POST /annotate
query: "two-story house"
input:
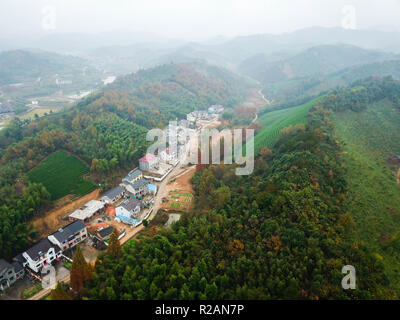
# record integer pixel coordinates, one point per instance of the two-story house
(168, 155)
(7, 275)
(139, 188)
(70, 235)
(148, 162)
(129, 208)
(113, 195)
(42, 253)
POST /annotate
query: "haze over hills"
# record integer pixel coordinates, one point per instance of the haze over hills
(23, 65)
(318, 60)
(282, 232)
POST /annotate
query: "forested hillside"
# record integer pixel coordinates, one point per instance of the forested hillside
(370, 135)
(22, 66)
(106, 130)
(282, 232)
(318, 60)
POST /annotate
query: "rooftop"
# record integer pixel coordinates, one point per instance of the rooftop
(139, 183)
(41, 248)
(105, 231)
(4, 265)
(87, 210)
(114, 192)
(131, 204)
(69, 230)
(148, 157)
(17, 266)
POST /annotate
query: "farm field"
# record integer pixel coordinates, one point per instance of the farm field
(62, 174)
(370, 138)
(273, 122)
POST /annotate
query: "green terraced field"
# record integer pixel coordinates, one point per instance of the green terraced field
(62, 174)
(274, 122)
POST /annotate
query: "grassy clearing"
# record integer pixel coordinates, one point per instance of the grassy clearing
(62, 174)
(274, 122)
(39, 111)
(370, 138)
(175, 205)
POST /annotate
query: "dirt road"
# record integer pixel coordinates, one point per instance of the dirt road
(55, 219)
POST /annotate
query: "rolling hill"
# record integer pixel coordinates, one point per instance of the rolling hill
(315, 61)
(370, 137)
(273, 122)
(23, 66)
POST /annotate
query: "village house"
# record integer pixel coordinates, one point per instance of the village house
(152, 188)
(7, 275)
(133, 176)
(215, 109)
(113, 195)
(129, 208)
(148, 162)
(138, 188)
(198, 115)
(167, 155)
(42, 253)
(105, 233)
(90, 209)
(184, 123)
(18, 269)
(191, 118)
(69, 236)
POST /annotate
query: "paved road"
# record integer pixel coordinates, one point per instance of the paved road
(46, 292)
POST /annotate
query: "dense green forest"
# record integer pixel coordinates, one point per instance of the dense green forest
(282, 232)
(106, 130)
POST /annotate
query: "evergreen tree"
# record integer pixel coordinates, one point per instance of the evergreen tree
(114, 247)
(81, 271)
(61, 292)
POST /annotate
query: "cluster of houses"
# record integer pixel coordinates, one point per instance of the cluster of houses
(203, 115)
(134, 187)
(43, 253)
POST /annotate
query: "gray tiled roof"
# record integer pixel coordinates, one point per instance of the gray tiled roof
(139, 183)
(106, 231)
(69, 230)
(111, 194)
(4, 265)
(133, 175)
(131, 204)
(17, 266)
(41, 247)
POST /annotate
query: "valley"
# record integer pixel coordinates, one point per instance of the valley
(79, 184)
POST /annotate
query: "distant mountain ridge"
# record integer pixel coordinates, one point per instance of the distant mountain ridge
(319, 60)
(23, 65)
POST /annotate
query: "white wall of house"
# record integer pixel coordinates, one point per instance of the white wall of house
(37, 265)
(79, 237)
(7, 278)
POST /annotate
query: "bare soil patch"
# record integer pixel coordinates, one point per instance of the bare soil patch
(179, 192)
(56, 218)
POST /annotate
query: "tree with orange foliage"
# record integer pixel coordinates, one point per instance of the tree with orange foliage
(81, 271)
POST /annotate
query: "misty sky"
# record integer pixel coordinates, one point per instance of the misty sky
(188, 19)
